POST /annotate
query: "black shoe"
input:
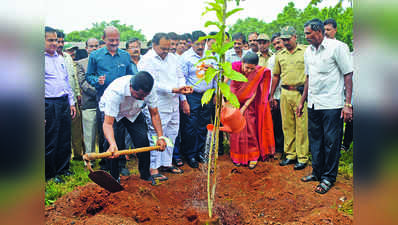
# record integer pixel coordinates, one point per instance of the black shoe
(124, 171)
(200, 158)
(193, 163)
(287, 162)
(300, 166)
(179, 162)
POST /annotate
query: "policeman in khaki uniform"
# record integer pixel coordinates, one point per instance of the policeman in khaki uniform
(289, 69)
(264, 52)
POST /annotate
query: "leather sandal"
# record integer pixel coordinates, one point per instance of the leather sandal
(171, 169)
(159, 177)
(323, 187)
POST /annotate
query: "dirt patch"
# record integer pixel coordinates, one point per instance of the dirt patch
(269, 194)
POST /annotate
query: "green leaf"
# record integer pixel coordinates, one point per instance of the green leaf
(210, 73)
(216, 6)
(208, 23)
(226, 47)
(208, 10)
(232, 12)
(219, 15)
(207, 37)
(232, 74)
(226, 91)
(227, 67)
(207, 96)
(204, 59)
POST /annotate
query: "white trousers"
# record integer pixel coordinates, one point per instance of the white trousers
(89, 129)
(170, 125)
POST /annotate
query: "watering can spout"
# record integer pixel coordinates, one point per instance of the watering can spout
(232, 120)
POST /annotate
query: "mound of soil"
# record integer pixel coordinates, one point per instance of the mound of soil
(268, 194)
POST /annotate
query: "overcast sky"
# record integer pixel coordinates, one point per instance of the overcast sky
(153, 16)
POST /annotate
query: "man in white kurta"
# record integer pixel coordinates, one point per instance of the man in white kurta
(169, 85)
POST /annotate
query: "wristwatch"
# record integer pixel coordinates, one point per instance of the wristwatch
(348, 105)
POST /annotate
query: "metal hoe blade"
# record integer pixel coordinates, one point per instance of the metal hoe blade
(105, 180)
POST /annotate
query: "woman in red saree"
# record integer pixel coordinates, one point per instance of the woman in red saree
(256, 141)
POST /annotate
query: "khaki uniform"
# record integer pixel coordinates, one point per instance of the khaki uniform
(290, 66)
(263, 59)
(77, 129)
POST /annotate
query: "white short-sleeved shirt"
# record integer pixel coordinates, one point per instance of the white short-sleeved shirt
(271, 64)
(326, 67)
(117, 101)
(167, 74)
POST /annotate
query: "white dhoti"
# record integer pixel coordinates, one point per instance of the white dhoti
(170, 125)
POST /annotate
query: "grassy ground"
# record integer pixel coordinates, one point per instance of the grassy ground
(79, 178)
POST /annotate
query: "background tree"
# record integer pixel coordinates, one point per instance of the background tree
(126, 32)
(291, 16)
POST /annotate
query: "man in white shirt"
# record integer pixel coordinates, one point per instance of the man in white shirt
(330, 32)
(237, 52)
(123, 101)
(329, 69)
(169, 85)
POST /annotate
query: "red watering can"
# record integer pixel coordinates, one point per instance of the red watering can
(232, 120)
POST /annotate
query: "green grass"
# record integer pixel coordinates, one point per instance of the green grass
(79, 178)
(346, 164)
(347, 207)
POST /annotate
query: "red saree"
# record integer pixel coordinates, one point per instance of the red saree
(256, 141)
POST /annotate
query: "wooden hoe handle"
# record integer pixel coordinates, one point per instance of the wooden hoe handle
(93, 156)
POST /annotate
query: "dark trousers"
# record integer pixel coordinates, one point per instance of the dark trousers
(138, 133)
(57, 136)
(101, 138)
(348, 134)
(194, 130)
(278, 132)
(325, 128)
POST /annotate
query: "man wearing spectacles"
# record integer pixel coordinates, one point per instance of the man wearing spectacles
(289, 70)
(169, 86)
(196, 116)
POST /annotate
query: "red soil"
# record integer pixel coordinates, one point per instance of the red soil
(269, 194)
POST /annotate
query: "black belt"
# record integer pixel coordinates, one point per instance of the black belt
(299, 88)
(64, 97)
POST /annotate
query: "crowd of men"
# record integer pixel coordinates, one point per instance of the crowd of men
(133, 97)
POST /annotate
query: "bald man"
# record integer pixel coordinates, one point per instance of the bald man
(104, 66)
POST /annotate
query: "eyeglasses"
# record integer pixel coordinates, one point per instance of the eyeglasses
(285, 39)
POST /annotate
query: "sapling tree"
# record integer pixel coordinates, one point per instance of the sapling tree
(220, 72)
